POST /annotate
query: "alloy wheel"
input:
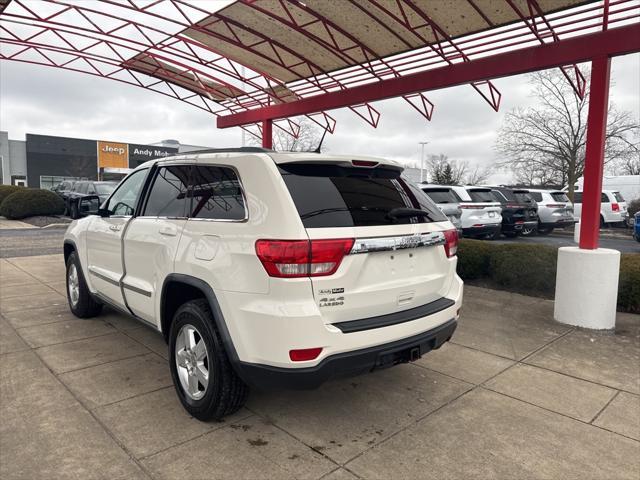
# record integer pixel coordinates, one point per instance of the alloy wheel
(192, 362)
(73, 284)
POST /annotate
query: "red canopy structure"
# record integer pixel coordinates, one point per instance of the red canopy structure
(264, 62)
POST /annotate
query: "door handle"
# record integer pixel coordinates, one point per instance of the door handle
(168, 230)
(115, 228)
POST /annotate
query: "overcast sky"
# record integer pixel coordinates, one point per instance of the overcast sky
(49, 101)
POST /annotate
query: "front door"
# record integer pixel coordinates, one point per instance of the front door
(152, 239)
(104, 238)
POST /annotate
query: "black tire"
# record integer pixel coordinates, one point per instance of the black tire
(603, 224)
(85, 306)
(529, 232)
(493, 236)
(74, 211)
(545, 231)
(510, 234)
(227, 393)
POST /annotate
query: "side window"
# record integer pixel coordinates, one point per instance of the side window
(168, 195)
(537, 196)
(91, 190)
(123, 200)
(217, 194)
(604, 198)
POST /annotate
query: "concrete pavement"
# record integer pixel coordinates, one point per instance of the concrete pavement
(514, 395)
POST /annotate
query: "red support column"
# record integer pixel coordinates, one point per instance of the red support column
(267, 133)
(594, 160)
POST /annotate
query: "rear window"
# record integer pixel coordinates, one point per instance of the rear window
(479, 196)
(337, 196)
(442, 195)
(559, 197)
(522, 196)
(537, 196)
(619, 197)
(577, 197)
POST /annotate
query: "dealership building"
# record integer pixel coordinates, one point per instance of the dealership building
(43, 161)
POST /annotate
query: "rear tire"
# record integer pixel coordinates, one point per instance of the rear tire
(603, 224)
(529, 232)
(81, 302)
(510, 234)
(206, 383)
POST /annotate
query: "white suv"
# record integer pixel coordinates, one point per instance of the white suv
(269, 269)
(613, 207)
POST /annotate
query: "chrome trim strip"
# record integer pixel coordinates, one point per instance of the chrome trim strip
(400, 242)
(136, 290)
(103, 277)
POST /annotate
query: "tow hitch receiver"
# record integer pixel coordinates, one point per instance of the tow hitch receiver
(388, 359)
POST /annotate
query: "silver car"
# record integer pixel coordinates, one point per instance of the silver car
(447, 201)
(555, 210)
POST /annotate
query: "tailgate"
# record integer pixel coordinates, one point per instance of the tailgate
(384, 274)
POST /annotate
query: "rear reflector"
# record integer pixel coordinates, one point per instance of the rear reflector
(615, 207)
(304, 354)
(451, 242)
(302, 258)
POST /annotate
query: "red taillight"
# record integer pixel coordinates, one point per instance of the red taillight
(451, 242)
(556, 205)
(471, 207)
(302, 258)
(305, 354)
(615, 207)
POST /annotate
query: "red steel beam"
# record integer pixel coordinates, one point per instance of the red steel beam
(594, 156)
(267, 133)
(608, 43)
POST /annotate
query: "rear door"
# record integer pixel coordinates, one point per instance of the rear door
(397, 261)
(152, 239)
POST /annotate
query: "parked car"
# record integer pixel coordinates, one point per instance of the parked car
(636, 226)
(613, 207)
(63, 189)
(269, 269)
(85, 188)
(448, 202)
(519, 210)
(555, 210)
(481, 213)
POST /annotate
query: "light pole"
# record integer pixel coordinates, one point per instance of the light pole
(422, 161)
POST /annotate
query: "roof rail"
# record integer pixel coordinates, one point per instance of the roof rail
(230, 150)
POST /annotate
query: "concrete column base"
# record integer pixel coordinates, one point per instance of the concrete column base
(587, 287)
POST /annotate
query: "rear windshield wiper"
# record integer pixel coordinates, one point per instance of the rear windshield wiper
(342, 209)
(408, 212)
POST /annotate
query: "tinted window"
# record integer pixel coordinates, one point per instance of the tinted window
(560, 197)
(217, 194)
(604, 198)
(537, 196)
(123, 200)
(442, 195)
(619, 197)
(337, 196)
(168, 194)
(80, 187)
(479, 196)
(522, 197)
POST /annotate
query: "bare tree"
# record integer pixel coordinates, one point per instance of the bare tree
(308, 138)
(444, 171)
(545, 145)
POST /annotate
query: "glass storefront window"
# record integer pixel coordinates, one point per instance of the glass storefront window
(49, 181)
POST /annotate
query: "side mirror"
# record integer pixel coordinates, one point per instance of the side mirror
(89, 205)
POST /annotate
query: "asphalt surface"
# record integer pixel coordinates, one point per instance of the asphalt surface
(30, 242)
(622, 244)
(36, 241)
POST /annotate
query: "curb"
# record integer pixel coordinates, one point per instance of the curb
(613, 236)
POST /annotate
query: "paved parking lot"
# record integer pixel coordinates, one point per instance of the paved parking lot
(515, 395)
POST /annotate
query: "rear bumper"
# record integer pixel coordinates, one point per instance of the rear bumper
(483, 230)
(559, 224)
(347, 363)
(517, 227)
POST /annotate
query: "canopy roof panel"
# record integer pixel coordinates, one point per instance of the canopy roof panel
(233, 57)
